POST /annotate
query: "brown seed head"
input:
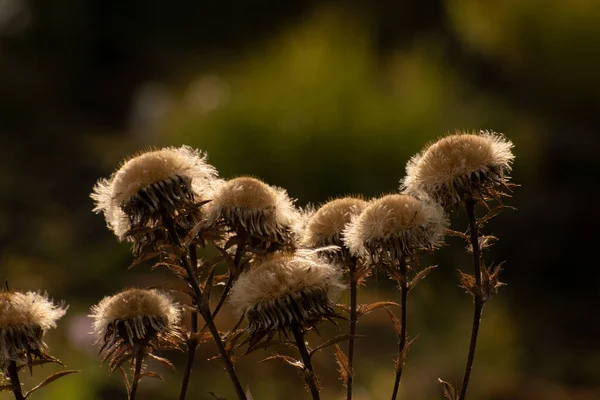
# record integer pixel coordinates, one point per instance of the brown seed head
(24, 318)
(395, 226)
(249, 206)
(457, 165)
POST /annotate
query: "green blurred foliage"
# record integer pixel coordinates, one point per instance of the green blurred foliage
(325, 101)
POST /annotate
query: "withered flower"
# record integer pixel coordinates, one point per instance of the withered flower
(134, 322)
(463, 164)
(154, 188)
(24, 319)
(250, 208)
(396, 226)
(286, 292)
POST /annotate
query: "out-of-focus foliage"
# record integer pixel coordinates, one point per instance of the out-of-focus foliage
(324, 100)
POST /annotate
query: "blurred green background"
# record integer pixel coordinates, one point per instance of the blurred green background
(324, 98)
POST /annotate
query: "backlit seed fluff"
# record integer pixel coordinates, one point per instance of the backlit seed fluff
(153, 183)
(248, 205)
(135, 316)
(395, 226)
(24, 319)
(286, 290)
(459, 165)
(325, 226)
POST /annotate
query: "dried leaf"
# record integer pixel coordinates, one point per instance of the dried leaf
(286, 359)
(51, 379)
(331, 342)
(468, 283)
(343, 307)
(151, 374)
(264, 345)
(125, 379)
(395, 321)
(420, 276)
(342, 361)
(216, 396)
(492, 213)
(144, 257)
(363, 309)
(162, 360)
(47, 359)
(402, 356)
(450, 389)
(461, 235)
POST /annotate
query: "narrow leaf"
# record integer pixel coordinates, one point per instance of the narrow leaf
(395, 321)
(420, 276)
(331, 342)
(151, 374)
(342, 361)
(363, 309)
(51, 379)
(450, 389)
(162, 360)
(125, 379)
(288, 360)
(461, 235)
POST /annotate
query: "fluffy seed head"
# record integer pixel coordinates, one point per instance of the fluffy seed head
(461, 164)
(326, 225)
(395, 226)
(249, 206)
(286, 290)
(24, 318)
(135, 316)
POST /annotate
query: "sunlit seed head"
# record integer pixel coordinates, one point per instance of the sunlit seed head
(24, 318)
(325, 226)
(286, 290)
(396, 226)
(248, 205)
(152, 183)
(458, 165)
(136, 315)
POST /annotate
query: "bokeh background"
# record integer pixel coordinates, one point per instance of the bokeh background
(323, 98)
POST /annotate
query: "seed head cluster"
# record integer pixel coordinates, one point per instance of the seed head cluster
(459, 165)
(24, 319)
(170, 183)
(135, 316)
(395, 226)
(284, 291)
(250, 207)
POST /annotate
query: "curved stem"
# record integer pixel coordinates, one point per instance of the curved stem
(353, 319)
(139, 358)
(13, 375)
(402, 338)
(192, 344)
(309, 373)
(474, 239)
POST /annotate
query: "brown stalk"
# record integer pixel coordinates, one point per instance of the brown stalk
(192, 344)
(139, 358)
(402, 338)
(309, 373)
(353, 318)
(13, 374)
(474, 239)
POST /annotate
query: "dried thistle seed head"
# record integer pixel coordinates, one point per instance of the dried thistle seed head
(325, 226)
(24, 318)
(149, 317)
(396, 226)
(286, 290)
(151, 185)
(250, 207)
(459, 165)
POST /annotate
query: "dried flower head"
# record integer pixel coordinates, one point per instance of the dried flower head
(284, 291)
(24, 318)
(250, 207)
(459, 165)
(167, 183)
(396, 226)
(326, 225)
(146, 318)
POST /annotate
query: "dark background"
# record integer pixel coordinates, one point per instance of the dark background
(325, 99)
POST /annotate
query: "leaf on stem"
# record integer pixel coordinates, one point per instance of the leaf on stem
(342, 361)
(492, 213)
(364, 309)
(331, 342)
(125, 379)
(286, 359)
(47, 359)
(450, 389)
(162, 360)
(420, 276)
(395, 321)
(151, 374)
(51, 379)
(461, 235)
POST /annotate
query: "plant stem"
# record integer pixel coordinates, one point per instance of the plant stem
(353, 318)
(474, 239)
(13, 374)
(237, 260)
(192, 344)
(309, 373)
(139, 358)
(402, 338)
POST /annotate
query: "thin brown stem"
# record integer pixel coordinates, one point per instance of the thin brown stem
(353, 319)
(192, 344)
(139, 358)
(237, 260)
(13, 375)
(474, 239)
(309, 373)
(402, 338)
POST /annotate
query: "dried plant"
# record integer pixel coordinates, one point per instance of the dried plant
(466, 168)
(324, 229)
(288, 294)
(131, 325)
(24, 319)
(391, 231)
